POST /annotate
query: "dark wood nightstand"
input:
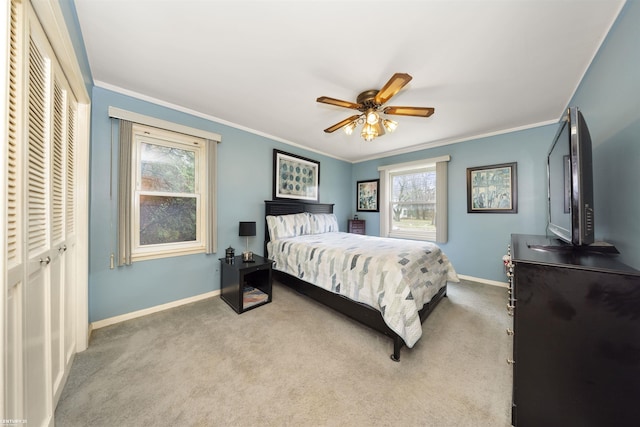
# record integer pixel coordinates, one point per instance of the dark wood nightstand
(357, 226)
(246, 285)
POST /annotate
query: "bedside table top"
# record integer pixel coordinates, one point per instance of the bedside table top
(239, 264)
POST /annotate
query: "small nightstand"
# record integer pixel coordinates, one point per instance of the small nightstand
(246, 285)
(357, 226)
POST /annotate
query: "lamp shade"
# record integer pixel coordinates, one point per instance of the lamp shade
(247, 228)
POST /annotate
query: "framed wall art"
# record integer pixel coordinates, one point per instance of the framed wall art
(492, 189)
(295, 177)
(368, 196)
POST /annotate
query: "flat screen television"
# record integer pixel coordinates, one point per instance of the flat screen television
(570, 180)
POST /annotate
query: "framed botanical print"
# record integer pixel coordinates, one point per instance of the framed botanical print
(368, 196)
(295, 177)
(492, 189)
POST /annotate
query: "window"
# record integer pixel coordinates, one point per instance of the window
(166, 188)
(169, 193)
(413, 200)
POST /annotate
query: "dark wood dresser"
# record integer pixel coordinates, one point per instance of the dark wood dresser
(576, 355)
(357, 226)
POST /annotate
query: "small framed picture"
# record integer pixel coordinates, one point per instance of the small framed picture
(368, 196)
(492, 189)
(295, 177)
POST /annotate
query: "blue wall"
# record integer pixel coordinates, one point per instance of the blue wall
(244, 183)
(609, 97)
(68, 10)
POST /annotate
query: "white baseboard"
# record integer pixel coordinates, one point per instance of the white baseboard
(135, 314)
(128, 316)
(485, 281)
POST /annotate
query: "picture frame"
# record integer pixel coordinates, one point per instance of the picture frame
(492, 189)
(295, 177)
(368, 196)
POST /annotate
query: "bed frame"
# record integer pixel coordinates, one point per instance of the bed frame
(363, 313)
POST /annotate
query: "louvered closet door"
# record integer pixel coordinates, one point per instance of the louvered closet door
(13, 361)
(57, 192)
(68, 249)
(63, 253)
(38, 398)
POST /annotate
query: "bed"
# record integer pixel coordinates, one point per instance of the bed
(393, 294)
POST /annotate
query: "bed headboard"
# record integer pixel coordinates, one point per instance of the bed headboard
(286, 207)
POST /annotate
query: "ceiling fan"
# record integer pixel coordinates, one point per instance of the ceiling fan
(370, 104)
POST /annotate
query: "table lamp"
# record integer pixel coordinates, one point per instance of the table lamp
(247, 228)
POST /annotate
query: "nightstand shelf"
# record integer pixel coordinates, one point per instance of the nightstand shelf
(246, 285)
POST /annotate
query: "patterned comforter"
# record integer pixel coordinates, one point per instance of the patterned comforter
(395, 276)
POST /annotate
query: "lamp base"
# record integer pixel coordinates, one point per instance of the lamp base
(247, 256)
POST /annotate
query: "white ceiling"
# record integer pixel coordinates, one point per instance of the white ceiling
(487, 67)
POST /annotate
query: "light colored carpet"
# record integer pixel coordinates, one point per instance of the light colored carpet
(294, 362)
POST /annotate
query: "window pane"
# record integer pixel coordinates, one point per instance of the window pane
(413, 207)
(167, 169)
(167, 219)
(414, 217)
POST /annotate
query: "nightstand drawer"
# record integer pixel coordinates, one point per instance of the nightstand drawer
(256, 268)
(357, 226)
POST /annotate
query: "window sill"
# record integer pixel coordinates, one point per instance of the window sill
(168, 254)
(430, 237)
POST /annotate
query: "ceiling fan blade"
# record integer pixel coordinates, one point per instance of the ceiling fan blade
(410, 111)
(342, 123)
(395, 83)
(338, 102)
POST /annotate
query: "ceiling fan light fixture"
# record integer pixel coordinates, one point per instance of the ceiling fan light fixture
(372, 117)
(389, 125)
(348, 129)
(369, 132)
(370, 105)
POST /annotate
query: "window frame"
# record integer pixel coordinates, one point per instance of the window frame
(386, 203)
(145, 134)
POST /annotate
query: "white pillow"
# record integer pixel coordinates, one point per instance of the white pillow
(283, 226)
(323, 223)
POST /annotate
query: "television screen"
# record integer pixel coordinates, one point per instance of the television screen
(559, 164)
(570, 175)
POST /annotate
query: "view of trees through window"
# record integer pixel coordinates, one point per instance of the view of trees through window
(168, 203)
(414, 201)
(167, 219)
